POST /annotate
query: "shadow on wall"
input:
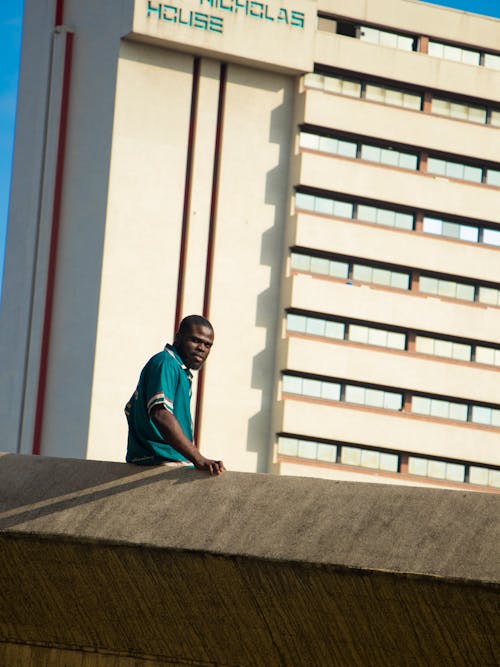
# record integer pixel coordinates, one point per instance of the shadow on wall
(269, 301)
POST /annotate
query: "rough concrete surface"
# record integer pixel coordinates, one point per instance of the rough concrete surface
(110, 564)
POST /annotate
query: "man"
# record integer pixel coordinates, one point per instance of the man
(158, 414)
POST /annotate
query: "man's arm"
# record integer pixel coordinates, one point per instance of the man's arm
(173, 434)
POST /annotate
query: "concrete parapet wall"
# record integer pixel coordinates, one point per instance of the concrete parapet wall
(106, 564)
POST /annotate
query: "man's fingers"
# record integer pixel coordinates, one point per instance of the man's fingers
(216, 467)
(213, 467)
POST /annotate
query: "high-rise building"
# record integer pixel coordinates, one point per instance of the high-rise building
(321, 179)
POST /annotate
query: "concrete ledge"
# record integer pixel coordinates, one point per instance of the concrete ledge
(171, 566)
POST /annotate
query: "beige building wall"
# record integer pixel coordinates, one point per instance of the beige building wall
(183, 177)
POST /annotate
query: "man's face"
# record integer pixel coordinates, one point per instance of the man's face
(194, 345)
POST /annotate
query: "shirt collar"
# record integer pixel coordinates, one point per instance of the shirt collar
(173, 353)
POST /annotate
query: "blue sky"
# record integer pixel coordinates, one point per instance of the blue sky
(10, 39)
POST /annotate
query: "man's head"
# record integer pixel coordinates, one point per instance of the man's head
(193, 340)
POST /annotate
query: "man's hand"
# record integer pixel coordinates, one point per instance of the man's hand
(172, 433)
(209, 465)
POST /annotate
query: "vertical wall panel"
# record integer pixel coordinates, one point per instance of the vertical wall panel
(247, 267)
(142, 241)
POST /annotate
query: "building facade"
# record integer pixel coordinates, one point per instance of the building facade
(320, 179)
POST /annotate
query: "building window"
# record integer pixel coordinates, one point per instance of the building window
(454, 472)
(487, 355)
(324, 205)
(378, 276)
(459, 54)
(320, 265)
(389, 157)
(452, 230)
(452, 169)
(393, 340)
(369, 458)
(443, 348)
(367, 334)
(385, 276)
(495, 118)
(294, 384)
(443, 409)
(329, 145)
(392, 157)
(387, 217)
(336, 391)
(353, 149)
(388, 399)
(449, 52)
(491, 60)
(489, 296)
(454, 108)
(493, 177)
(333, 84)
(374, 398)
(459, 231)
(342, 209)
(308, 449)
(387, 38)
(364, 456)
(315, 326)
(485, 415)
(446, 288)
(336, 268)
(393, 96)
(468, 112)
(484, 476)
(365, 33)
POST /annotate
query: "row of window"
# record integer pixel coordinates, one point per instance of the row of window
(395, 340)
(392, 218)
(350, 270)
(459, 54)
(399, 97)
(386, 399)
(365, 272)
(359, 150)
(405, 42)
(379, 459)
(398, 158)
(462, 232)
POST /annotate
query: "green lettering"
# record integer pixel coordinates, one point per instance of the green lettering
(297, 19)
(282, 16)
(240, 5)
(259, 5)
(216, 24)
(266, 15)
(200, 21)
(165, 17)
(151, 9)
(179, 20)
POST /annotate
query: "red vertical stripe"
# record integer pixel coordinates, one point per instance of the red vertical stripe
(59, 17)
(187, 193)
(54, 239)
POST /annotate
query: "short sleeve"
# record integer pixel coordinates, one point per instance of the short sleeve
(162, 378)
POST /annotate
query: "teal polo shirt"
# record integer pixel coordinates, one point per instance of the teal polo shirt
(166, 381)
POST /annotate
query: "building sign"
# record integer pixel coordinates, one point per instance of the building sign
(276, 33)
(172, 13)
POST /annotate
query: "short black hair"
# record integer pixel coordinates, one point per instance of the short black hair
(191, 320)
